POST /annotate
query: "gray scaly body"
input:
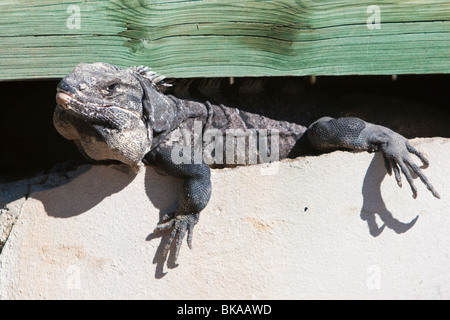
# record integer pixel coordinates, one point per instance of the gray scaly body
(124, 115)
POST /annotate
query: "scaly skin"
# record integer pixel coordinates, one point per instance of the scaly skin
(123, 114)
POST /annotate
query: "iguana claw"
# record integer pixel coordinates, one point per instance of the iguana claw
(180, 223)
(396, 153)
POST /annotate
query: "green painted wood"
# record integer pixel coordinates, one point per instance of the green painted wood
(225, 37)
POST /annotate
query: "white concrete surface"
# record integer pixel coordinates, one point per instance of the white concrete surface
(328, 227)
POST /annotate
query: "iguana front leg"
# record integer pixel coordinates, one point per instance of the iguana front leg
(356, 134)
(194, 197)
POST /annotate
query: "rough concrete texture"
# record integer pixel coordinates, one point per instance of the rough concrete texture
(12, 197)
(332, 226)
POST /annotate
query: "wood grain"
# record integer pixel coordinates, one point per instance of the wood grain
(225, 37)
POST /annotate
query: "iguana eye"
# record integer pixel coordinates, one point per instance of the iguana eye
(111, 88)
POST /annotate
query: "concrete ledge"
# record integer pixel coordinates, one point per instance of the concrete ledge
(332, 226)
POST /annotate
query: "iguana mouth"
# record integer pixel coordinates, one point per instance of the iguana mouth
(68, 102)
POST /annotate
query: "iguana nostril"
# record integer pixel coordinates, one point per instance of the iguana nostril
(65, 86)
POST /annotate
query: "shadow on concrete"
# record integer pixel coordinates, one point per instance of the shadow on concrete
(373, 204)
(156, 183)
(94, 183)
(91, 186)
(76, 192)
(58, 176)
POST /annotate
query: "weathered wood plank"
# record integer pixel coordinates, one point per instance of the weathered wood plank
(45, 39)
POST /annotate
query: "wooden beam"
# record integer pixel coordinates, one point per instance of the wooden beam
(46, 39)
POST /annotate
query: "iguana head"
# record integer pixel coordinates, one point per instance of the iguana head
(109, 111)
(103, 93)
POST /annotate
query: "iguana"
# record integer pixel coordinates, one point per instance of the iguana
(124, 114)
